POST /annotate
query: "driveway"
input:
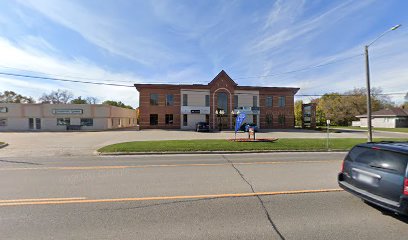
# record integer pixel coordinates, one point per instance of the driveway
(85, 143)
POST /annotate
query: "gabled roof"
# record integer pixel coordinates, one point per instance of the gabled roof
(388, 112)
(223, 75)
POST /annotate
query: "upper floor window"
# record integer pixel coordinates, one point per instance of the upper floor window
(269, 101)
(235, 101)
(169, 99)
(185, 100)
(222, 101)
(282, 101)
(207, 100)
(254, 101)
(154, 99)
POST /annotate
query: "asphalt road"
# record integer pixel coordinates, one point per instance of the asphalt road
(246, 196)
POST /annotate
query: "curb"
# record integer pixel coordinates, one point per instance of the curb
(209, 152)
(3, 145)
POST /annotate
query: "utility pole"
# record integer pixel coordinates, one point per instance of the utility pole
(370, 133)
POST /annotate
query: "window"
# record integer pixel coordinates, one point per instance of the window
(169, 119)
(281, 120)
(387, 160)
(154, 99)
(255, 119)
(185, 122)
(207, 100)
(63, 121)
(3, 109)
(254, 101)
(38, 123)
(235, 101)
(281, 101)
(169, 99)
(3, 122)
(207, 118)
(222, 101)
(86, 121)
(31, 123)
(154, 119)
(269, 101)
(185, 100)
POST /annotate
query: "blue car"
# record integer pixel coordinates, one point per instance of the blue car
(248, 125)
(377, 173)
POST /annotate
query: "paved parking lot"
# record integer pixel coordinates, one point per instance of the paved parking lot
(85, 143)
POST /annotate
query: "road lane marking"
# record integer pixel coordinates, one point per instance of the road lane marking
(40, 199)
(165, 165)
(140, 199)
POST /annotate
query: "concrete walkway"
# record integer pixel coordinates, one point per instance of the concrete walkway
(85, 143)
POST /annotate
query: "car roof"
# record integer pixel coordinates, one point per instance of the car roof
(388, 145)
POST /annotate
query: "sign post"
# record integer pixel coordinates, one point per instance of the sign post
(328, 133)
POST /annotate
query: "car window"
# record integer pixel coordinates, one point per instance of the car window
(379, 159)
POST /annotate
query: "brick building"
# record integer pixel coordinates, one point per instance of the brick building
(167, 106)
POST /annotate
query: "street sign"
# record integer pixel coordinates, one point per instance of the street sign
(328, 121)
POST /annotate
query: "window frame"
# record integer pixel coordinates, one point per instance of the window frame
(171, 102)
(82, 120)
(282, 101)
(3, 122)
(169, 119)
(66, 121)
(154, 102)
(269, 101)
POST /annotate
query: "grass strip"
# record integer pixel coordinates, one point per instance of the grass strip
(398, 130)
(297, 144)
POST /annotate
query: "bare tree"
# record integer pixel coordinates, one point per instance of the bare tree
(57, 97)
(92, 100)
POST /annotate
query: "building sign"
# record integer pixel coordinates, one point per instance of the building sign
(195, 111)
(67, 111)
(3, 109)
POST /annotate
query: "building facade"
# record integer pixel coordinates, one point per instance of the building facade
(166, 106)
(385, 118)
(63, 117)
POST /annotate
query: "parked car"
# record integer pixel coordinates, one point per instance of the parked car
(245, 127)
(377, 173)
(202, 127)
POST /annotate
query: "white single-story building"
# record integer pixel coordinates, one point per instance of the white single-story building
(386, 118)
(63, 117)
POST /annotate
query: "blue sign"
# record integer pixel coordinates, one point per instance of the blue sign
(238, 121)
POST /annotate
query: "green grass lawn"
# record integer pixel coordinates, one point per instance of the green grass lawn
(403, 130)
(225, 145)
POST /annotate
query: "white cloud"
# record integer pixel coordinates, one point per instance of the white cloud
(110, 34)
(31, 58)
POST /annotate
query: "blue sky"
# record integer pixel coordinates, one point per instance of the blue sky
(127, 41)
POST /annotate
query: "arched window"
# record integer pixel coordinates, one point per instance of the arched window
(222, 102)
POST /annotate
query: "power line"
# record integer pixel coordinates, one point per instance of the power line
(303, 69)
(64, 80)
(350, 95)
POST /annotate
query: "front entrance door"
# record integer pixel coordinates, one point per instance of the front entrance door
(34, 123)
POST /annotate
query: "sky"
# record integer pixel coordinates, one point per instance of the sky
(316, 45)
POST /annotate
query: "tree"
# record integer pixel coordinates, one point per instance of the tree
(57, 97)
(342, 109)
(91, 100)
(405, 105)
(298, 112)
(117, 104)
(79, 100)
(12, 97)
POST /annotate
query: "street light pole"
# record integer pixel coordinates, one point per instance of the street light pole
(370, 133)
